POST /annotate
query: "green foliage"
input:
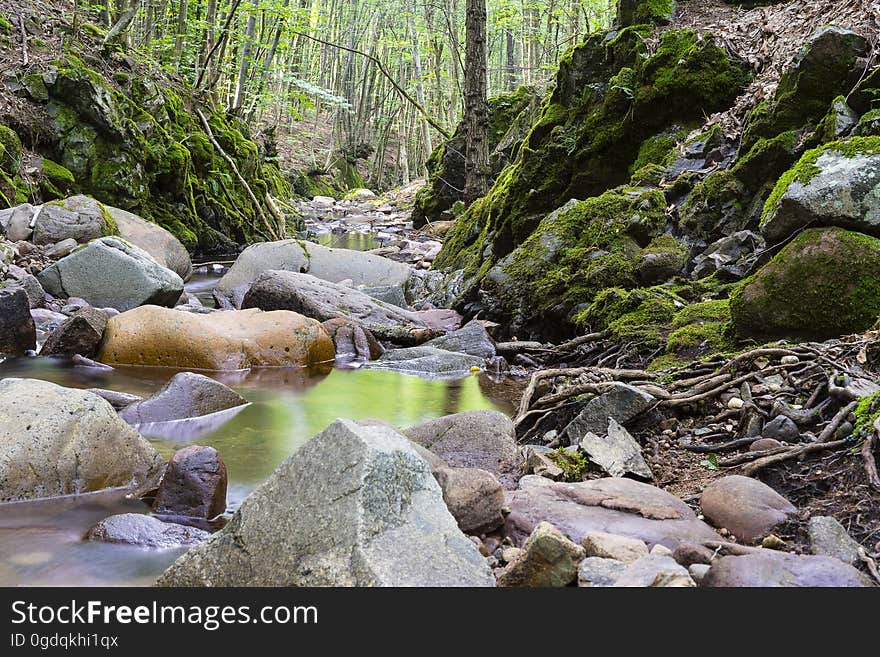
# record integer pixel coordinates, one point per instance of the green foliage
(572, 463)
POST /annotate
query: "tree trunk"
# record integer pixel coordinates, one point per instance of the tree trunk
(420, 87)
(476, 113)
(245, 62)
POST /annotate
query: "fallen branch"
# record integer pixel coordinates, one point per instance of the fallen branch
(868, 458)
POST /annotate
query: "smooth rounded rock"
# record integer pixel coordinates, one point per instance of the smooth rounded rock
(231, 340)
(746, 507)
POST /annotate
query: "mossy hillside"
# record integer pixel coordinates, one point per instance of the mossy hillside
(509, 119)
(145, 151)
(591, 130)
(823, 284)
(825, 69)
(575, 253)
(806, 169)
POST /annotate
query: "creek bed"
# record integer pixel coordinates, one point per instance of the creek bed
(40, 542)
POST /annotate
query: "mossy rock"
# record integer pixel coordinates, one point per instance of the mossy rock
(577, 251)
(10, 157)
(664, 258)
(637, 319)
(869, 125)
(824, 284)
(835, 185)
(638, 12)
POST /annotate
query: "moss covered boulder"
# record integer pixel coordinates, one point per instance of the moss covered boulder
(836, 185)
(576, 251)
(232, 340)
(824, 284)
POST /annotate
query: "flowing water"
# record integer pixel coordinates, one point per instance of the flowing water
(40, 542)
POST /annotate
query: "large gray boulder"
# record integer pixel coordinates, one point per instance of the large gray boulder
(61, 441)
(187, 394)
(323, 300)
(838, 185)
(428, 361)
(110, 272)
(155, 240)
(333, 265)
(829, 538)
(612, 505)
(355, 506)
(79, 217)
(768, 568)
(473, 439)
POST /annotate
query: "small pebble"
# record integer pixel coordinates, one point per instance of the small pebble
(773, 542)
(790, 360)
(735, 403)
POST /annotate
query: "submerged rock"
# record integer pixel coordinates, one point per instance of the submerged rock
(187, 394)
(110, 272)
(145, 531)
(333, 265)
(323, 300)
(354, 506)
(427, 360)
(747, 508)
(231, 340)
(18, 332)
(61, 441)
(472, 338)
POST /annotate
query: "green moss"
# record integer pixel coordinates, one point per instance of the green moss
(706, 337)
(572, 463)
(655, 150)
(823, 284)
(122, 77)
(638, 319)
(11, 154)
(56, 173)
(5, 25)
(804, 93)
(869, 124)
(705, 311)
(867, 412)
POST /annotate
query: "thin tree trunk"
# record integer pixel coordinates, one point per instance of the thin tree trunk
(245, 61)
(420, 88)
(476, 114)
